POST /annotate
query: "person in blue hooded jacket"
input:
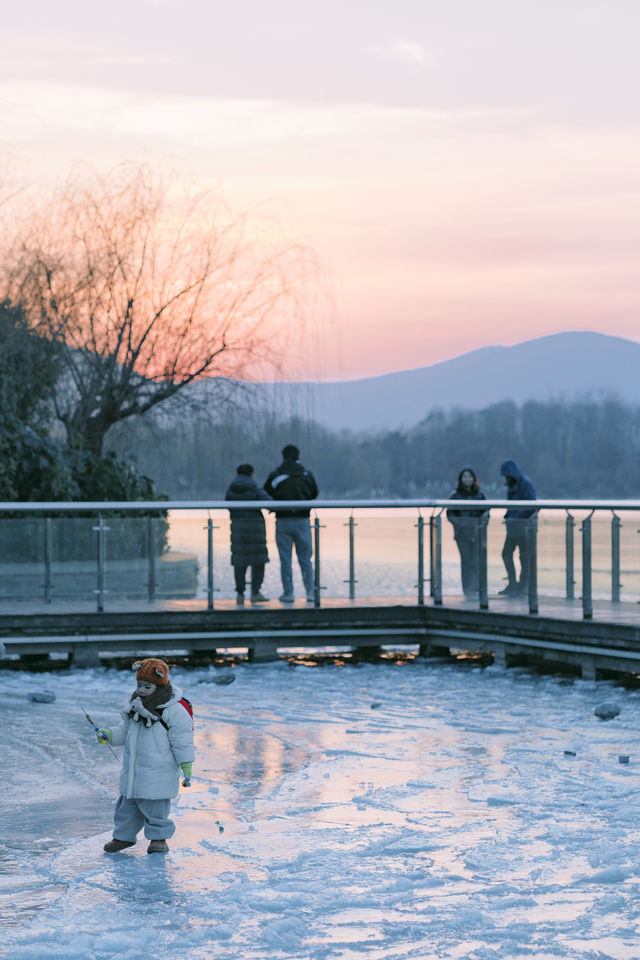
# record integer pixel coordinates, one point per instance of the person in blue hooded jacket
(520, 487)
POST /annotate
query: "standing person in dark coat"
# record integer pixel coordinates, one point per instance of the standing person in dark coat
(292, 481)
(465, 529)
(248, 535)
(520, 487)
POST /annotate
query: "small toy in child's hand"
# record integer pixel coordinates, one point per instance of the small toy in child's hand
(104, 736)
(186, 782)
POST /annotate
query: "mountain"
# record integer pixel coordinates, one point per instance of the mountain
(559, 366)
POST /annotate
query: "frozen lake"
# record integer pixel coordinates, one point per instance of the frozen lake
(370, 812)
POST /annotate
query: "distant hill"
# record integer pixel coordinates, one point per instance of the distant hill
(560, 366)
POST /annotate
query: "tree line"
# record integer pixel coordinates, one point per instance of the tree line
(581, 448)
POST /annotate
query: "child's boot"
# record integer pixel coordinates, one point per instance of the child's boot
(158, 846)
(114, 846)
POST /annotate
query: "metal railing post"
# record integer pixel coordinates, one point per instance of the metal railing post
(569, 574)
(483, 584)
(435, 525)
(615, 558)
(352, 561)
(151, 554)
(432, 556)
(587, 600)
(210, 563)
(100, 591)
(532, 549)
(47, 559)
(316, 562)
(420, 561)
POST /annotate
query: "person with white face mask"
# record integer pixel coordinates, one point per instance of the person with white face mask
(465, 529)
(157, 733)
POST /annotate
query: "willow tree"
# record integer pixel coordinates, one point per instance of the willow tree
(145, 289)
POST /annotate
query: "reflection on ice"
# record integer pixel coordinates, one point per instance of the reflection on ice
(448, 821)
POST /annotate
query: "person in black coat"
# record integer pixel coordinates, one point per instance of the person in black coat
(465, 529)
(248, 535)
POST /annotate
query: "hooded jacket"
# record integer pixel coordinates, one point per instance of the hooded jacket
(248, 531)
(523, 489)
(291, 481)
(150, 769)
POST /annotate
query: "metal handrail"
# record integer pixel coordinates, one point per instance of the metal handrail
(69, 506)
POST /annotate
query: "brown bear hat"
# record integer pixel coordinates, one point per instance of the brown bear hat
(152, 671)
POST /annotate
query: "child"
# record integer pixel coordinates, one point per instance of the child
(157, 733)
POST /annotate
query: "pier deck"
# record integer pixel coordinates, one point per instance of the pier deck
(610, 642)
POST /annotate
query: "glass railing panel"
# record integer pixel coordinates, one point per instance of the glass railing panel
(224, 581)
(332, 536)
(496, 575)
(386, 554)
(74, 560)
(630, 557)
(601, 555)
(188, 542)
(579, 516)
(22, 551)
(126, 561)
(139, 563)
(552, 554)
(187, 537)
(451, 561)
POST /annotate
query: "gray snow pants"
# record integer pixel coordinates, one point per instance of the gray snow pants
(132, 814)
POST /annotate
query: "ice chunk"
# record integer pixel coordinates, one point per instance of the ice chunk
(607, 711)
(42, 696)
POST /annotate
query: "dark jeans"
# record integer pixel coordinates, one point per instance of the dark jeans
(468, 548)
(257, 576)
(519, 540)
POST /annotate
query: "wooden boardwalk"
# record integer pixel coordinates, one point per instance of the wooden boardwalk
(610, 642)
(627, 612)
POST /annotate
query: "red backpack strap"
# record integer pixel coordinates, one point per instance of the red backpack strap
(187, 705)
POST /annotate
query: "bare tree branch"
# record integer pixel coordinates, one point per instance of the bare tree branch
(145, 293)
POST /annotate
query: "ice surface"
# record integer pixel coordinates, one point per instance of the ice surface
(447, 822)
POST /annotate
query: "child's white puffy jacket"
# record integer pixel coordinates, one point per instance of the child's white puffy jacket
(152, 754)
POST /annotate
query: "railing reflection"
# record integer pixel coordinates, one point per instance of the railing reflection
(34, 533)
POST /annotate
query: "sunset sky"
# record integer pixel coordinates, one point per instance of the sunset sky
(468, 170)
